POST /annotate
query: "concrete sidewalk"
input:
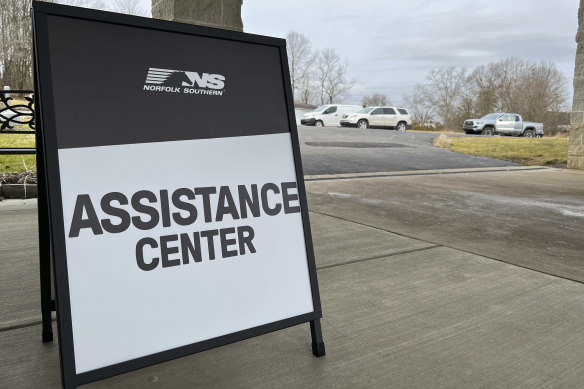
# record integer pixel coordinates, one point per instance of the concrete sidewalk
(525, 216)
(400, 309)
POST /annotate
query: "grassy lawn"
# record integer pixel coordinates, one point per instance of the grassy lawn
(16, 163)
(16, 100)
(525, 151)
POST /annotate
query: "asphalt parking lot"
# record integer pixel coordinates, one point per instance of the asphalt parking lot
(331, 150)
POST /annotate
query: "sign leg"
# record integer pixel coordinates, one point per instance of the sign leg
(317, 342)
(44, 256)
(43, 224)
(44, 252)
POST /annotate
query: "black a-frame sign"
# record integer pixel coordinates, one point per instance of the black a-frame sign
(172, 195)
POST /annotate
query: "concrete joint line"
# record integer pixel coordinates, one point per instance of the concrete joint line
(23, 324)
(442, 245)
(378, 257)
(376, 228)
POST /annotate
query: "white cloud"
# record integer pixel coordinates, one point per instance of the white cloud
(392, 45)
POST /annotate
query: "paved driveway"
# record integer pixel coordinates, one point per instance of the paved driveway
(347, 150)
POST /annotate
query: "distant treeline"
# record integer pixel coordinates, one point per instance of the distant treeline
(536, 90)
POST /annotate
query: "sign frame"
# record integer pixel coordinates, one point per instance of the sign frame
(52, 227)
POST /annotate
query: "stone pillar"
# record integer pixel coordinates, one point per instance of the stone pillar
(576, 148)
(212, 13)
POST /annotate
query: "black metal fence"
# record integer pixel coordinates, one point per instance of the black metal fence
(17, 117)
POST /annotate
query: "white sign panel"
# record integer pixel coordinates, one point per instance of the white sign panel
(208, 257)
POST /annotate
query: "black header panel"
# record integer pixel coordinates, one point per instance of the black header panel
(123, 84)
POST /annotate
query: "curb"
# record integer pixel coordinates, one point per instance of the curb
(18, 191)
(403, 173)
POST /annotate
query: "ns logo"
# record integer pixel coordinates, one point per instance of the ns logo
(178, 78)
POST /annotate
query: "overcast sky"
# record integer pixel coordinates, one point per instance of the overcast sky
(391, 45)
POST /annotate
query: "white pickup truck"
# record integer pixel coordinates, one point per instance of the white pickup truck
(504, 124)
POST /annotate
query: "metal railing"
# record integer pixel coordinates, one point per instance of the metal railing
(17, 117)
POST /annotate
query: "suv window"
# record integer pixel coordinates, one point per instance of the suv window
(377, 111)
(402, 111)
(330, 110)
(517, 118)
(388, 111)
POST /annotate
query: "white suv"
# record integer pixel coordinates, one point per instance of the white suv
(393, 118)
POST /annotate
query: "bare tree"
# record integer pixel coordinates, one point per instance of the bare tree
(301, 60)
(131, 7)
(96, 4)
(16, 40)
(15, 44)
(306, 93)
(466, 105)
(315, 77)
(483, 83)
(331, 75)
(509, 73)
(444, 92)
(375, 99)
(419, 105)
(542, 90)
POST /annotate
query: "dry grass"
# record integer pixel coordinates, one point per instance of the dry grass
(525, 151)
(561, 135)
(16, 100)
(442, 141)
(438, 131)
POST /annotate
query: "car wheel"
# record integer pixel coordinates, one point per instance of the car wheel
(362, 124)
(401, 126)
(319, 123)
(487, 131)
(528, 134)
